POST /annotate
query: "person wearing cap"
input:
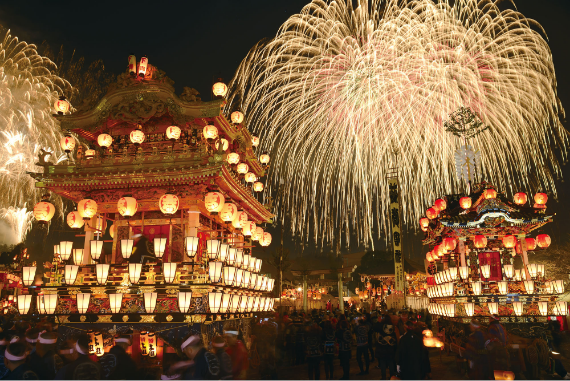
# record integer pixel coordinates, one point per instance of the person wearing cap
(15, 357)
(82, 368)
(44, 361)
(117, 364)
(218, 346)
(238, 354)
(206, 364)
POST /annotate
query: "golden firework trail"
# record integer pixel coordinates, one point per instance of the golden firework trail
(342, 94)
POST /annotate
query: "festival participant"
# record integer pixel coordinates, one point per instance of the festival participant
(314, 354)
(15, 357)
(206, 364)
(368, 321)
(4, 341)
(31, 337)
(475, 352)
(361, 332)
(67, 352)
(238, 354)
(386, 343)
(82, 368)
(329, 341)
(218, 346)
(344, 340)
(117, 364)
(409, 356)
(44, 361)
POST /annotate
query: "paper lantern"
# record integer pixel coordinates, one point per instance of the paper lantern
(132, 64)
(142, 66)
(431, 213)
(476, 286)
(558, 286)
(225, 144)
(241, 218)
(96, 249)
(480, 241)
(561, 308)
(520, 198)
(150, 301)
(83, 302)
(246, 280)
(87, 208)
(44, 211)
(184, 301)
(490, 194)
(219, 89)
(248, 228)
(127, 206)
(239, 258)
(210, 132)
(89, 154)
(104, 140)
(429, 257)
(509, 241)
(169, 271)
(24, 302)
(229, 212)
(449, 243)
(134, 272)
(258, 262)
(78, 256)
(242, 168)
(540, 198)
(231, 258)
(143, 337)
(223, 253)
(102, 271)
(168, 203)
(518, 308)
(530, 243)
(173, 132)
(258, 234)
(50, 303)
(215, 271)
(264, 159)
(127, 248)
(115, 301)
(529, 286)
(112, 230)
(214, 301)
(28, 275)
(234, 304)
(543, 308)
(424, 223)
(233, 158)
(225, 305)
(213, 249)
(493, 308)
(440, 204)
(61, 105)
(229, 275)
(254, 141)
(65, 249)
(543, 240)
(214, 202)
(237, 117)
(503, 287)
(266, 240)
(465, 202)
(74, 220)
(469, 308)
(159, 246)
(250, 177)
(464, 272)
(191, 244)
(509, 271)
(137, 137)
(67, 143)
(70, 274)
(486, 271)
(258, 186)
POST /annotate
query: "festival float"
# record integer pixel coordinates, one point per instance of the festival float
(179, 186)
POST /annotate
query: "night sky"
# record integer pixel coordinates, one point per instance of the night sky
(195, 41)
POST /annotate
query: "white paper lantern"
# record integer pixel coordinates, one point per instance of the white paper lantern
(237, 117)
(242, 168)
(229, 212)
(150, 301)
(168, 203)
(173, 132)
(250, 177)
(184, 301)
(127, 206)
(74, 220)
(83, 302)
(44, 211)
(214, 202)
(115, 300)
(137, 137)
(266, 239)
(87, 208)
(210, 132)
(240, 219)
(233, 158)
(104, 140)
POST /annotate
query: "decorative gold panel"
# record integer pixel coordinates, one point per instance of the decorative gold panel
(147, 319)
(104, 318)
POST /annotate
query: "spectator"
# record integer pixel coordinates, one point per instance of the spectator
(82, 367)
(117, 364)
(314, 354)
(386, 344)
(344, 340)
(218, 346)
(237, 353)
(361, 332)
(329, 346)
(206, 364)
(44, 361)
(409, 354)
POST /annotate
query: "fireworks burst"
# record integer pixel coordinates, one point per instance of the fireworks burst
(342, 95)
(28, 90)
(20, 221)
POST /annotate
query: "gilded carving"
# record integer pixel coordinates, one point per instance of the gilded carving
(169, 318)
(62, 319)
(104, 319)
(125, 318)
(82, 318)
(147, 319)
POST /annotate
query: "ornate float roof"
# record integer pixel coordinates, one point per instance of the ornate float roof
(492, 217)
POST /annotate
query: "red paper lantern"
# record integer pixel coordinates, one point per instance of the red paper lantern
(540, 198)
(449, 243)
(431, 213)
(543, 240)
(480, 241)
(440, 204)
(520, 198)
(490, 194)
(429, 257)
(44, 211)
(439, 250)
(509, 241)
(424, 223)
(465, 202)
(530, 243)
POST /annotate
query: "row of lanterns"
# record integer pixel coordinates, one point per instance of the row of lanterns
(448, 289)
(222, 303)
(453, 274)
(236, 277)
(560, 308)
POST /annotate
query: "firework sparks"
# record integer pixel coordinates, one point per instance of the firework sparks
(20, 221)
(342, 95)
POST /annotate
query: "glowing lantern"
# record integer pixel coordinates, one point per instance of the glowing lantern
(151, 342)
(67, 143)
(168, 203)
(509, 271)
(65, 249)
(214, 202)
(83, 302)
(173, 132)
(503, 287)
(229, 212)
(493, 308)
(87, 208)
(509, 241)
(431, 213)
(28, 275)
(543, 240)
(74, 220)
(561, 308)
(529, 286)
(490, 194)
(150, 301)
(191, 244)
(159, 246)
(61, 105)
(137, 136)
(476, 286)
(254, 141)
(480, 241)
(250, 177)
(115, 301)
(104, 140)
(219, 89)
(543, 308)
(50, 303)
(258, 234)
(429, 257)
(210, 132)
(143, 342)
(439, 250)
(169, 271)
(233, 158)
(520, 198)
(127, 206)
(440, 204)
(240, 219)
(44, 211)
(184, 301)
(213, 249)
(89, 154)
(258, 186)
(127, 248)
(540, 198)
(214, 301)
(518, 308)
(424, 223)
(24, 302)
(469, 308)
(264, 159)
(102, 270)
(266, 240)
(225, 144)
(229, 275)
(465, 202)
(530, 243)
(486, 271)
(242, 168)
(142, 66)
(132, 65)
(134, 272)
(237, 117)
(248, 228)
(449, 243)
(78, 256)
(112, 231)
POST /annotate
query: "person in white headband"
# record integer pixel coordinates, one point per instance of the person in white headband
(124, 367)
(15, 357)
(237, 352)
(82, 365)
(46, 354)
(206, 364)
